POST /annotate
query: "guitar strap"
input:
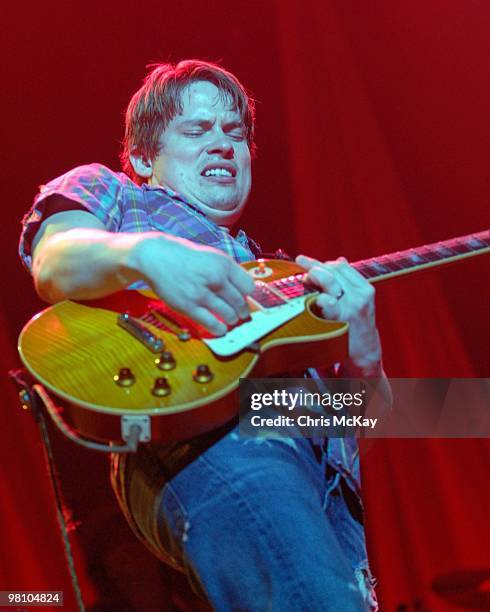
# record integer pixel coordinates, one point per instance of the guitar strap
(30, 399)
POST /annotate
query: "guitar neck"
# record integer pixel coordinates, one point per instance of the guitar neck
(396, 264)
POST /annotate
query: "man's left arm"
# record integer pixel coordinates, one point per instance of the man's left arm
(347, 296)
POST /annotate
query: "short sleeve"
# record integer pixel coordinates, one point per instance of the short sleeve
(94, 186)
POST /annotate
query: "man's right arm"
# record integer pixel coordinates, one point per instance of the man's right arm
(75, 257)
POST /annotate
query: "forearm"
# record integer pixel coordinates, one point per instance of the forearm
(86, 263)
(365, 354)
(369, 366)
(380, 394)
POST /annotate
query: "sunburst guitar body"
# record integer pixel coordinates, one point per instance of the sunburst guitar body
(129, 355)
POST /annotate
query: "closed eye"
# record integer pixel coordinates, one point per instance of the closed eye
(235, 130)
(237, 134)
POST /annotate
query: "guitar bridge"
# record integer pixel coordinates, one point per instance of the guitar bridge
(140, 332)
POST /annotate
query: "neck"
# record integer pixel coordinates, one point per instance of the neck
(413, 260)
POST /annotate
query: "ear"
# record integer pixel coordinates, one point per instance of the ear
(141, 165)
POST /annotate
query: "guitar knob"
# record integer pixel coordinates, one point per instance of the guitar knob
(203, 374)
(165, 361)
(125, 378)
(184, 335)
(161, 388)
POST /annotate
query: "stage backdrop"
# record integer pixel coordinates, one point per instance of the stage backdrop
(373, 136)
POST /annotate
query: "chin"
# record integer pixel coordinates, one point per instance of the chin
(223, 216)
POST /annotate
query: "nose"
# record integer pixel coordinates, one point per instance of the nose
(221, 145)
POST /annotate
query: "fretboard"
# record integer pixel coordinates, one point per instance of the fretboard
(279, 292)
(430, 255)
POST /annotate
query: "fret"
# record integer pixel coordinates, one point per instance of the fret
(293, 292)
(405, 262)
(265, 297)
(278, 292)
(366, 271)
(389, 263)
(293, 286)
(416, 257)
(477, 242)
(428, 254)
(371, 267)
(460, 247)
(443, 249)
(379, 267)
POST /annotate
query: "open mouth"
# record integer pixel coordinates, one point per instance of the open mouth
(219, 171)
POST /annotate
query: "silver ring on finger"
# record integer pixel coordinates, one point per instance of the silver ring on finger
(340, 295)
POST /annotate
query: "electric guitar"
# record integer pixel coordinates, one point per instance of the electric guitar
(129, 358)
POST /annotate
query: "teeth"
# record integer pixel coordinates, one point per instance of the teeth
(218, 172)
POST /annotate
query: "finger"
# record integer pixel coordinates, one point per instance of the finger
(241, 279)
(329, 306)
(220, 308)
(307, 262)
(352, 275)
(204, 317)
(231, 296)
(326, 281)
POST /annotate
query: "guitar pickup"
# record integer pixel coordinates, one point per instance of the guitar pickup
(140, 332)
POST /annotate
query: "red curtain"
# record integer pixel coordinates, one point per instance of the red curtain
(373, 137)
(387, 132)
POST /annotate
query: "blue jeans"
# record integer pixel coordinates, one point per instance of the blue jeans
(255, 524)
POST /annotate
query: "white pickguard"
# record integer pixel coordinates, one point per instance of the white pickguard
(261, 323)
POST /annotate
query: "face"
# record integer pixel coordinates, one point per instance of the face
(204, 154)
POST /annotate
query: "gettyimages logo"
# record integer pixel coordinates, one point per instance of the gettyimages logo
(373, 408)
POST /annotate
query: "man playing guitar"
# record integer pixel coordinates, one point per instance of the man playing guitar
(275, 524)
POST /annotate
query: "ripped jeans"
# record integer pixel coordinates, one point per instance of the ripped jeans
(255, 524)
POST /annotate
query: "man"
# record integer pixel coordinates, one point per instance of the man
(275, 524)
